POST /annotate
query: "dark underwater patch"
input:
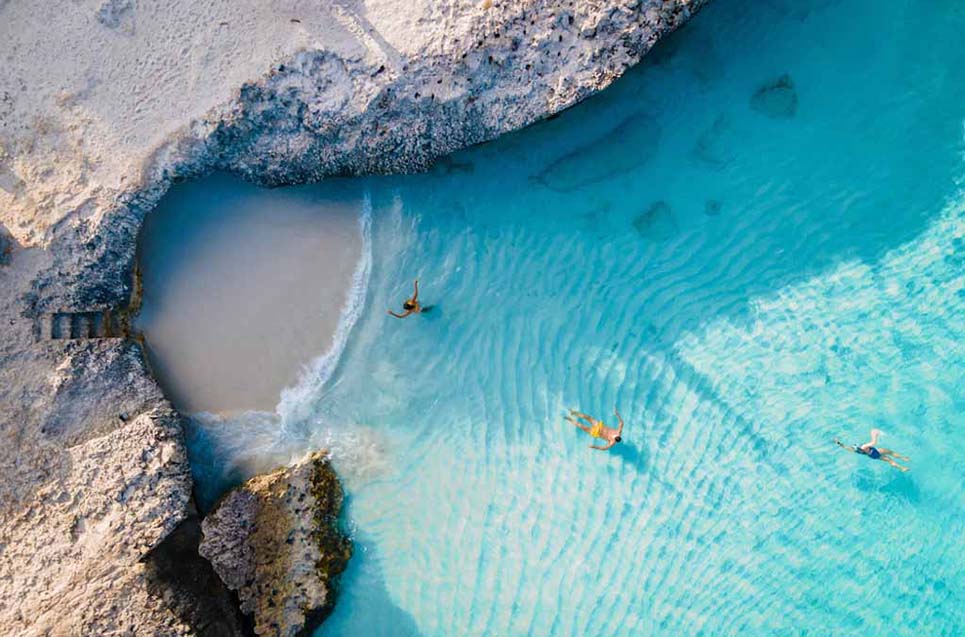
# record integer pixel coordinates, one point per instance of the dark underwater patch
(711, 147)
(656, 223)
(450, 166)
(776, 99)
(630, 144)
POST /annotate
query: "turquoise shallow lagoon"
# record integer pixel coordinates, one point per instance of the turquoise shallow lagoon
(751, 244)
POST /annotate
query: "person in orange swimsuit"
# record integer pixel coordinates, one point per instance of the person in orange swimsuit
(597, 429)
(411, 305)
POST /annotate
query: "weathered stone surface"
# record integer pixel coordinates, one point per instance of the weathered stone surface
(186, 582)
(94, 469)
(275, 541)
(77, 541)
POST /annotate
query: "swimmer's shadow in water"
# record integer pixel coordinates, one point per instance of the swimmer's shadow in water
(895, 483)
(631, 455)
(430, 312)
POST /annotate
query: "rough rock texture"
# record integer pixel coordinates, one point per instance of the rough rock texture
(177, 574)
(275, 541)
(73, 547)
(103, 103)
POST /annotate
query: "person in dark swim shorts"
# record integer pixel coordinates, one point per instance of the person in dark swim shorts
(873, 451)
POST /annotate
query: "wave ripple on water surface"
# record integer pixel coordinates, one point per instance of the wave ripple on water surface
(758, 284)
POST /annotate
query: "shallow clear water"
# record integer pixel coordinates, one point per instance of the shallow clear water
(747, 272)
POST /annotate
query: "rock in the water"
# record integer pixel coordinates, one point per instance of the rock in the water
(712, 146)
(776, 99)
(630, 144)
(656, 223)
(275, 541)
(712, 208)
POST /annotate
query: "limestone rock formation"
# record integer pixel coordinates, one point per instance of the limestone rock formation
(186, 582)
(275, 541)
(76, 540)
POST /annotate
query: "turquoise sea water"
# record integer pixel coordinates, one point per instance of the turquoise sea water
(752, 244)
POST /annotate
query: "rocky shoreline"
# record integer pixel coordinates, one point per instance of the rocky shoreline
(275, 542)
(96, 496)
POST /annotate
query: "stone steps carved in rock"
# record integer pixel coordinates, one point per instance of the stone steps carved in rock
(96, 324)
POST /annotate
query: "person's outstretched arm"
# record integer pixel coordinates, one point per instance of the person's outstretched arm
(874, 438)
(843, 446)
(620, 418)
(407, 313)
(415, 294)
(602, 448)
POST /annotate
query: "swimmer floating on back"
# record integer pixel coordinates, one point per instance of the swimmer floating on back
(597, 429)
(411, 306)
(873, 451)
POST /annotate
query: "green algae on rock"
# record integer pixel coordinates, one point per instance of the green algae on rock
(275, 541)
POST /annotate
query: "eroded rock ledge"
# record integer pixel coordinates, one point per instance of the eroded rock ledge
(275, 541)
(95, 475)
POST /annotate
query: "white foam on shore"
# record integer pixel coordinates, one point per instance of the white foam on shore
(244, 287)
(291, 406)
(230, 447)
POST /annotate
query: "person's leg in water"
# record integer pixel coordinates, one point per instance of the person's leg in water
(893, 454)
(894, 464)
(886, 454)
(589, 419)
(577, 423)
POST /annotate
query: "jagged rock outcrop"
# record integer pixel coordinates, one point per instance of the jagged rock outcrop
(275, 541)
(186, 582)
(93, 464)
(75, 544)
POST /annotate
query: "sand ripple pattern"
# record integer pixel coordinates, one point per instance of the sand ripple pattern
(756, 286)
(741, 312)
(723, 509)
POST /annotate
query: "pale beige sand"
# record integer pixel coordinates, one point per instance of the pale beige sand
(97, 87)
(243, 287)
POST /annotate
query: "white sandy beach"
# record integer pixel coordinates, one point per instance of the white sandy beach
(233, 311)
